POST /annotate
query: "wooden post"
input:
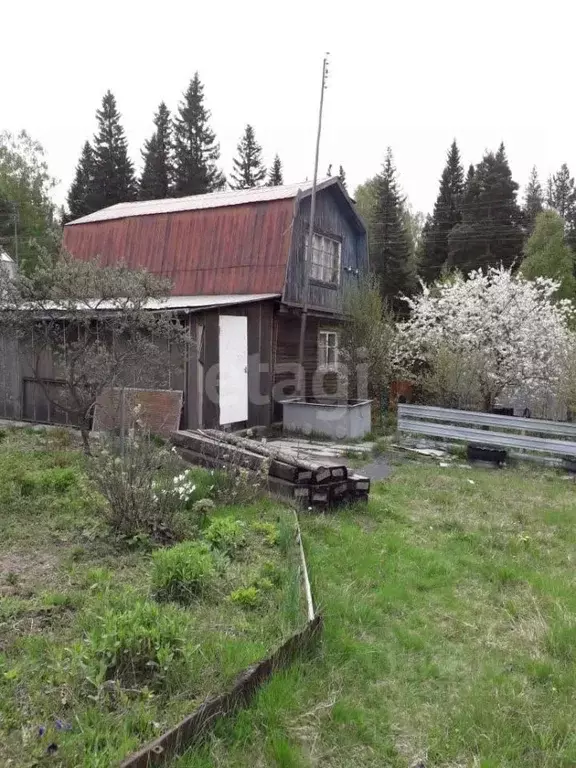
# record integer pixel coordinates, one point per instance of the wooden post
(308, 250)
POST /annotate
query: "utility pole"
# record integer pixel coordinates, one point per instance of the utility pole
(308, 250)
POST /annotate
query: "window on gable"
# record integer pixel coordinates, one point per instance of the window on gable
(324, 259)
(327, 350)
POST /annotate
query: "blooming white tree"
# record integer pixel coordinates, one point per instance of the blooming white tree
(501, 332)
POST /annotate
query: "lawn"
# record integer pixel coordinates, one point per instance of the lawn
(97, 654)
(450, 632)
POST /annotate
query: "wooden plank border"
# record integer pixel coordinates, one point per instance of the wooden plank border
(193, 729)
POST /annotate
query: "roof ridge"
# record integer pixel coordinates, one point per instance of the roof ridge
(221, 199)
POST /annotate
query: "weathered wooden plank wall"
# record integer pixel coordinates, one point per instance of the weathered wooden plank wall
(287, 348)
(10, 379)
(23, 364)
(333, 219)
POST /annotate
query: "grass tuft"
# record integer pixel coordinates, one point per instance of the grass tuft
(183, 571)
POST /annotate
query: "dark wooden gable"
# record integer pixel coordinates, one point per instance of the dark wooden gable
(335, 217)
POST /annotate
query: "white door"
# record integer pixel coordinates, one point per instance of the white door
(233, 351)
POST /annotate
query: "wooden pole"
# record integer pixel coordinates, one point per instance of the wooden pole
(307, 589)
(301, 388)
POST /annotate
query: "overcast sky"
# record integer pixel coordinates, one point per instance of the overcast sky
(412, 75)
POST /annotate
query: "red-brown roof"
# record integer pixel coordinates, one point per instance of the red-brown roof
(238, 249)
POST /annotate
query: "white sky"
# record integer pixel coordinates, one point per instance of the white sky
(411, 74)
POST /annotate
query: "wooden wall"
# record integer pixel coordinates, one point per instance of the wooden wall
(188, 370)
(23, 397)
(10, 379)
(260, 361)
(287, 334)
(273, 341)
(333, 218)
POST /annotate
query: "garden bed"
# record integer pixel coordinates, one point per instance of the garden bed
(100, 652)
(449, 608)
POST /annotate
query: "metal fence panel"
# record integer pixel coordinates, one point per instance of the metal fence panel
(431, 413)
(484, 437)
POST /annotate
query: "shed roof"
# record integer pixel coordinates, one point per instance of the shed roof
(5, 257)
(184, 304)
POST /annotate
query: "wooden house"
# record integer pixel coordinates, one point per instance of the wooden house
(236, 261)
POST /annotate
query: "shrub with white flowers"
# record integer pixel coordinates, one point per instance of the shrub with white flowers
(144, 485)
(495, 333)
(182, 488)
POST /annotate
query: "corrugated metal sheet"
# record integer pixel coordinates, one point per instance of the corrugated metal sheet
(201, 202)
(238, 249)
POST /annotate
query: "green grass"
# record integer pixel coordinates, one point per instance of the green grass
(450, 624)
(450, 632)
(84, 642)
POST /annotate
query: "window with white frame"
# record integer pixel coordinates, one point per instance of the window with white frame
(327, 350)
(324, 259)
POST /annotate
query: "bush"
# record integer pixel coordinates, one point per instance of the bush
(246, 597)
(183, 571)
(271, 572)
(143, 643)
(145, 486)
(269, 531)
(201, 508)
(237, 485)
(263, 584)
(226, 534)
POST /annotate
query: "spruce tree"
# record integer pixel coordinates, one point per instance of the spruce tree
(196, 150)
(114, 180)
(249, 170)
(157, 175)
(490, 233)
(561, 196)
(390, 248)
(533, 201)
(561, 193)
(275, 178)
(447, 214)
(81, 198)
(342, 176)
(469, 178)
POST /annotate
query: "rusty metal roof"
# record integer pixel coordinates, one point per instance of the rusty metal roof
(234, 242)
(200, 202)
(241, 249)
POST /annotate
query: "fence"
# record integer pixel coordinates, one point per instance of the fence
(547, 437)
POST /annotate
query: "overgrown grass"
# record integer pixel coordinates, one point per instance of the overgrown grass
(96, 657)
(450, 632)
